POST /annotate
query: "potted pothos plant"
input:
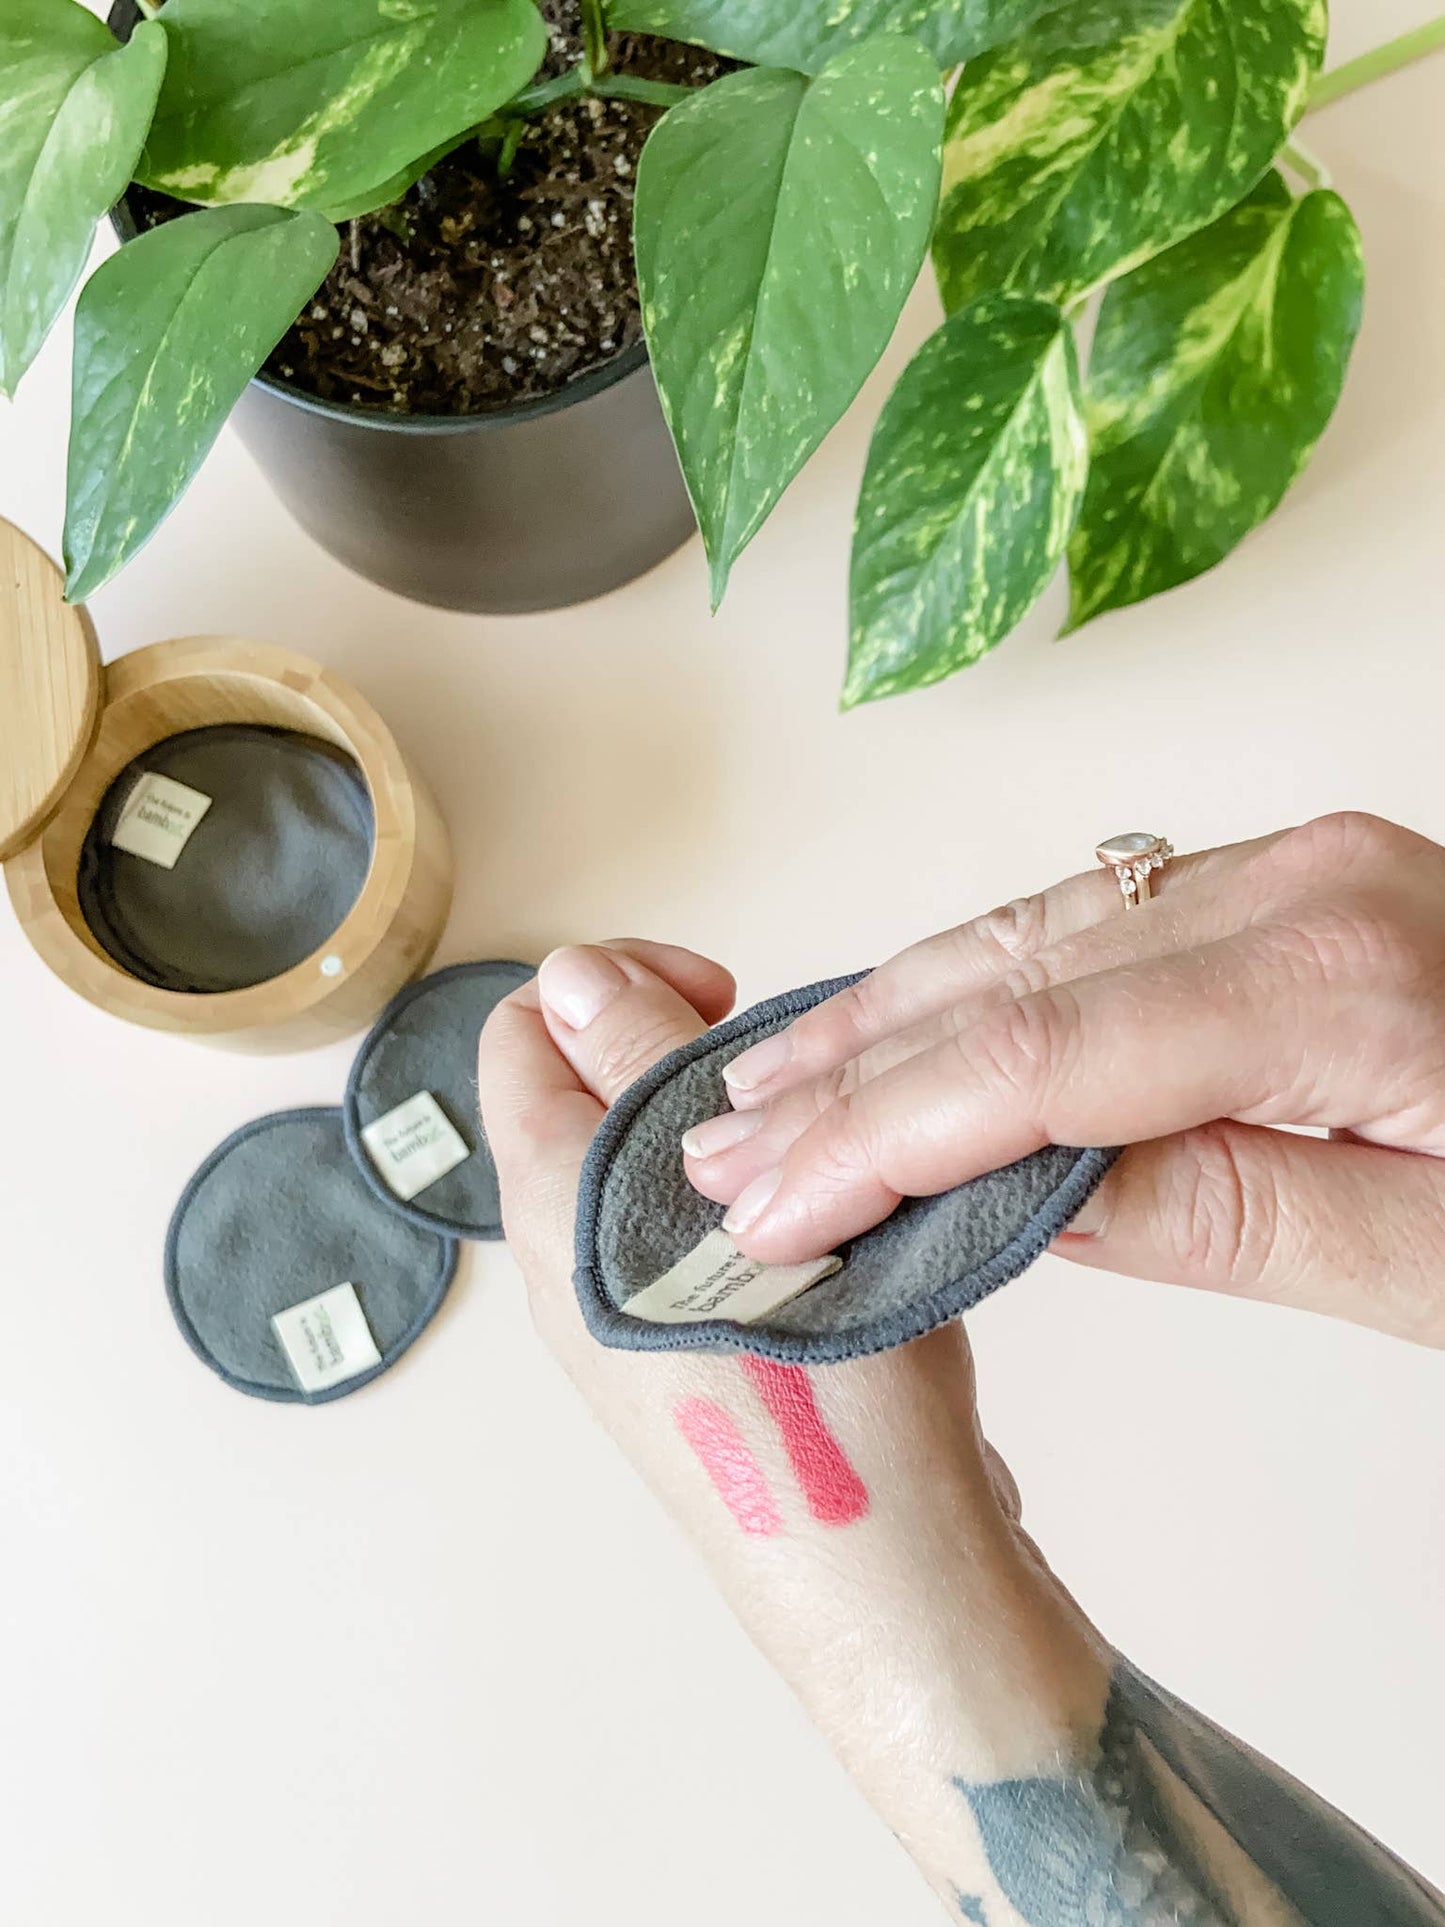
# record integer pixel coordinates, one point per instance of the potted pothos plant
(802, 163)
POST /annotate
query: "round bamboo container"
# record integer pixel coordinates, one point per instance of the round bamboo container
(68, 727)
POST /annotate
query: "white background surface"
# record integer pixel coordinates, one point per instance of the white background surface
(430, 1654)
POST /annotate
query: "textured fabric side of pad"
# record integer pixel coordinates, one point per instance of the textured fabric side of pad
(931, 1260)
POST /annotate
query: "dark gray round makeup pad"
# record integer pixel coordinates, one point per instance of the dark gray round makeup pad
(276, 1215)
(637, 1215)
(426, 1040)
(268, 873)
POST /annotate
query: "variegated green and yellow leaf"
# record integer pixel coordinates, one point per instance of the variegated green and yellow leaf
(1110, 129)
(317, 106)
(780, 224)
(972, 484)
(168, 332)
(1214, 371)
(805, 34)
(74, 109)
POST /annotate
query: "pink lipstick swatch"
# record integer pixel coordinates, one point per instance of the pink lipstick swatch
(740, 1482)
(836, 1495)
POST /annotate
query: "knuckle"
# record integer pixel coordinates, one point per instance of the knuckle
(834, 1029)
(1226, 1218)
(622, 1056)
(1365, 936)
(1016, 929)
(845, 1144)
(1342, 839)
(1028, 978)
(1024, 1047)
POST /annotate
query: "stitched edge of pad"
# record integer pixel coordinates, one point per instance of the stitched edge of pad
(612, 1326)
(448, 1253)
(414, 1213)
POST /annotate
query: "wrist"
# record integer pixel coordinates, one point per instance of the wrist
(918, 1625)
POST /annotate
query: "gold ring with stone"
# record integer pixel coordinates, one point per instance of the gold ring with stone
(1134, 858)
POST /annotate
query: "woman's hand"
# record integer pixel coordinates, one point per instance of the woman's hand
(853, 1517)
(1297, 980)
(863, 1532)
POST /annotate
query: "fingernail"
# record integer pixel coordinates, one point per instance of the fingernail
(577, 984)
(717, 1134)
(752, 1202)
(753, 1067)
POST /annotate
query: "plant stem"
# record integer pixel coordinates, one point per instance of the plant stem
(594, 36)
(656, 93)
(532, 100)
(1378, 62)
(149, 8)
(1311, 170)
(511, 140)
(581, 80)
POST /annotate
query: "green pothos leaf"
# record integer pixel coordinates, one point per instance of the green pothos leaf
(385, 192)
(315, 106)
(168, 332)
(1110, 129)
(74, 109)
(1214, 371)
(780, 223)
(807, 33)
(972, 484)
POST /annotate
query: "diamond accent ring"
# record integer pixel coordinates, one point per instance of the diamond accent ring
(1134, 858)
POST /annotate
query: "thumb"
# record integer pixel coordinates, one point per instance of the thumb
(1349, 1229)
(613, 1010)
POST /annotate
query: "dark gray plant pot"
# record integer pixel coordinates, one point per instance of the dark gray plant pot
(531, 507)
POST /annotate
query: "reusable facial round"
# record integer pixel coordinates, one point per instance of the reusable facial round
(286, 1276)
(655, 1273)
(411, 1113)
(275, 846)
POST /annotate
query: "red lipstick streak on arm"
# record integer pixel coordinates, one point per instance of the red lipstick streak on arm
(740, 1481)
(836, 1495)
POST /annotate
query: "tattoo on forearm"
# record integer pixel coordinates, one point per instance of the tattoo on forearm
(832, 1489)
(1174, 1820)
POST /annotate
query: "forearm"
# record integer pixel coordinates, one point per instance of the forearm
(1035, 1776)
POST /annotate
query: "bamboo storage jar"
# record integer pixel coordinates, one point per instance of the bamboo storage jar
(69, 727)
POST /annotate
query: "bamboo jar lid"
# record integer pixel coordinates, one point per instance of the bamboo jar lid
(68, 728)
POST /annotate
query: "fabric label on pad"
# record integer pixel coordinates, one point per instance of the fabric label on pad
(326, 1339)
(158, 819)
(414, 1145)
(715, 1280)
